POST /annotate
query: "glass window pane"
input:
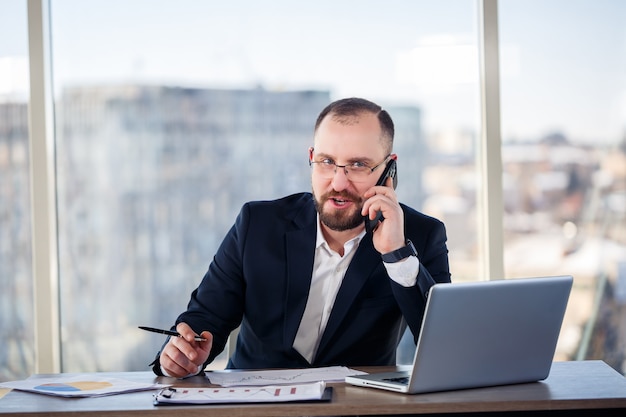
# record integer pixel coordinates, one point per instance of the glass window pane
(564, 159)
(170, 115)
(16, 275)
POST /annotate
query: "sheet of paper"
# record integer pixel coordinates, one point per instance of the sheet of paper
(269, 393)
(275, 377)
(4, 391)
(79, 386)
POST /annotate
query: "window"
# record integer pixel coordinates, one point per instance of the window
(171, 115)
(564, 153)
(17, 356)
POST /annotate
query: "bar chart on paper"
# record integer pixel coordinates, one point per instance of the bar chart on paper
(275, 393)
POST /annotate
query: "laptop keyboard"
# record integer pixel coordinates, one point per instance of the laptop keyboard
(398, 380)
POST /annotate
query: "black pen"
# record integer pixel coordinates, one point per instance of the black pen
(170, 333)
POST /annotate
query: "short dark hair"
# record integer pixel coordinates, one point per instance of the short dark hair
(349, 107)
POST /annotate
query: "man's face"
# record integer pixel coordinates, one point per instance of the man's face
(338, 198)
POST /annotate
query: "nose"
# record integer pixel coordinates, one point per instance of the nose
(340, 179)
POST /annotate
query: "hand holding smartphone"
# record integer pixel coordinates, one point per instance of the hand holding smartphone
(390, 171)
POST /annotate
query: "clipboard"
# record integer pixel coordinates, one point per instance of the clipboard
(309, 392)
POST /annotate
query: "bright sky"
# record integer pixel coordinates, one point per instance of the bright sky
(563, 62)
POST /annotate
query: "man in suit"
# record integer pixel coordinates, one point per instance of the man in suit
(304, 280)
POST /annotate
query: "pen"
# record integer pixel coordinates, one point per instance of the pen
(170, 333)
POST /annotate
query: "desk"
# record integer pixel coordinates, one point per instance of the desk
(573, 388)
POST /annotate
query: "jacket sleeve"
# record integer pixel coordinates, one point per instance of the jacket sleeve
(216, 304)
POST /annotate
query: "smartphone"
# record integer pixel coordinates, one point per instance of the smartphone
(390, 171)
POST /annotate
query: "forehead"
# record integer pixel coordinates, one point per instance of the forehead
(350, 137)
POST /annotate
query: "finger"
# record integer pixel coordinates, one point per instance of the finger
(380, 191)
(176, 363)
(186, 332)
(379, 202)
(208, 343)
(386, 192)
(196, 351)
(186, 348)
(371, 206)
(172, 368)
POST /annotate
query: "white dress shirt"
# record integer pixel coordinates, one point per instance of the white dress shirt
(329, 269)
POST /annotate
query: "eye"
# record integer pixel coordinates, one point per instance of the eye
(327, 162)
(358, 165)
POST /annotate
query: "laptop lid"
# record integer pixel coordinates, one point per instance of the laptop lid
(484, 333)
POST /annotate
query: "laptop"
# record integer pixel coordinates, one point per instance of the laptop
(480, 334)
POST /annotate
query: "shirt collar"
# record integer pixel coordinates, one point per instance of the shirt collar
(321, 240)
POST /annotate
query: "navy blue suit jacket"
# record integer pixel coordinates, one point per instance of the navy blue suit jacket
(260, 278)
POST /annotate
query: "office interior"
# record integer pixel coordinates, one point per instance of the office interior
(132, 131)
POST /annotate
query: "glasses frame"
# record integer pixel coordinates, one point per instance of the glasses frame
(345, 167)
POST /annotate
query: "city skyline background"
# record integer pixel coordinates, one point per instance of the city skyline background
(559, 68)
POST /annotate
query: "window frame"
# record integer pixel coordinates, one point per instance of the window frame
(43, 192)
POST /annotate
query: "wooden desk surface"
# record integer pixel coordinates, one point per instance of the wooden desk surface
(584, 385)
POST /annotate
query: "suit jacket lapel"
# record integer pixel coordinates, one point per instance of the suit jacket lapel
(300, 249)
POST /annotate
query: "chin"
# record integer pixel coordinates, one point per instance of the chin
(341, 223)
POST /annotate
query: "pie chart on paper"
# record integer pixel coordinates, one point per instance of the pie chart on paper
(79, 386)
(74, 386)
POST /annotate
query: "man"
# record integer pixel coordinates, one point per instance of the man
(301, 276)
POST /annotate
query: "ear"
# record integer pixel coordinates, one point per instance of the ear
(311, 154)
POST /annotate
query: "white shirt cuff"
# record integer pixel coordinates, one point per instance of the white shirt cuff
(404, 272)
(164, 372)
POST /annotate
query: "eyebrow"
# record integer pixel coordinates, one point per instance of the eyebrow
(365, 160)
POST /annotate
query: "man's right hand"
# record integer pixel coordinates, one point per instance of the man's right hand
(183, 356)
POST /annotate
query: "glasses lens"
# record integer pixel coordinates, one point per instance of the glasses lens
(324, 169)
(358, 173)
(355, 173)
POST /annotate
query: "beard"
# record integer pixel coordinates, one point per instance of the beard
(339, 220)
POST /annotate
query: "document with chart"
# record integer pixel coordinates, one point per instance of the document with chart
(283, 376)
(80, 385)
(314, 391)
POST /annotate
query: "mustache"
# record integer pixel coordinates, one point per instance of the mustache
(342, 195)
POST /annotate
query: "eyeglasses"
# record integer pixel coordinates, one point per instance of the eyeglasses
(355, 171)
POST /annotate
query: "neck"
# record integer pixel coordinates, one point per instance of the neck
(337, 239)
